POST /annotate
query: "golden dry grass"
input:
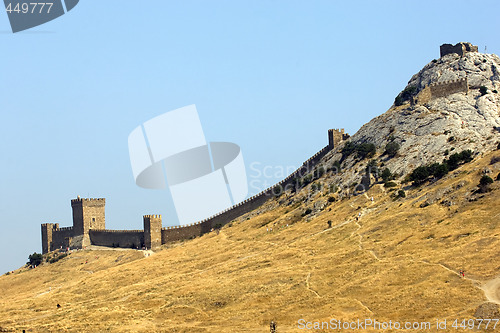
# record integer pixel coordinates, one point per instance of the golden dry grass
(400, 262)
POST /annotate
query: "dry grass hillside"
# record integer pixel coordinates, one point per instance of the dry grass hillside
(399, 262)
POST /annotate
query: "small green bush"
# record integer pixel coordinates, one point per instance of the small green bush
(401, 194)
(498, 146)
(483, 90)
(485, 180)
(307, 212)
(498, 176)
(451, 139)
(390, 184)
(495, 91)
(331, 199)
(362, 150)
(386, 175)
(391, 149)
(35, 259)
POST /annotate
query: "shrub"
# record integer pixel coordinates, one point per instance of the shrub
(446, 152)
(307, 212)
(35, 259)
(495, 91)
(366, 150)
(363, 150)
(401, 194)
(331, 199)
(485, 180)
(495, 159)
(318, 172)
(386, 175)
(391, 149)
(498, 146)
(434, 60)
(333, 188)
(483, 90)
(498, 176)
(348, 149)
(419, 175)
(390, 184)
(451, 139)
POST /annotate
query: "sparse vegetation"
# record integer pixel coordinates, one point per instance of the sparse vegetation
(401, 194)
(484, 183)
(56, 258)
(387, 175)
(439, 170)
(498, 176)
(331, 199)
(483, 90)
(390, 184)
(35, 259)
(451, 139)
(391, 149)
(405, 95)
(363, 150)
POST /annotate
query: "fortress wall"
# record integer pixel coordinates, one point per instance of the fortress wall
(61, 237)
(117, 238)
(449, 87)
(170, 234)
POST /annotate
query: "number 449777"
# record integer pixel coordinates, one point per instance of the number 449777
(30, 7)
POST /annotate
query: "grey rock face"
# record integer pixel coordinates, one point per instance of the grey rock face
(425, 132)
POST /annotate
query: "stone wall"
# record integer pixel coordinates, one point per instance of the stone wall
(449, 87)
(441, 89)
(61, 238)
(199, 228)
(117, 238)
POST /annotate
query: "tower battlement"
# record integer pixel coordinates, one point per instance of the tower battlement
(459, 48)
(335, 136)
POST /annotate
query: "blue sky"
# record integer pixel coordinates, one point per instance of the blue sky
(271, 76)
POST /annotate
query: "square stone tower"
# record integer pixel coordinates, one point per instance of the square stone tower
(152, 231)
(87, 214)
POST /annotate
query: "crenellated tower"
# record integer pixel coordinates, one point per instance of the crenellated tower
(88, 214)
(152, 231)
(335, 136)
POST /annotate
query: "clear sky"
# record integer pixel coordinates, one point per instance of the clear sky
(271, 76)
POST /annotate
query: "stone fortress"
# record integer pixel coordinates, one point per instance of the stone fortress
(89, 226)
(446, 88)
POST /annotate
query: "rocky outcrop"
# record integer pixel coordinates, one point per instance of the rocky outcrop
(447, 123)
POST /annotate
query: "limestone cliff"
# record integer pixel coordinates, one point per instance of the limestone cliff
(429, 128)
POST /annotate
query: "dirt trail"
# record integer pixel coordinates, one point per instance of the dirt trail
(491, 290)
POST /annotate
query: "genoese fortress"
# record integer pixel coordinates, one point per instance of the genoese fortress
(89, 226)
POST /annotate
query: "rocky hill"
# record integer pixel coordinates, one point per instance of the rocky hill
(428, 130)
